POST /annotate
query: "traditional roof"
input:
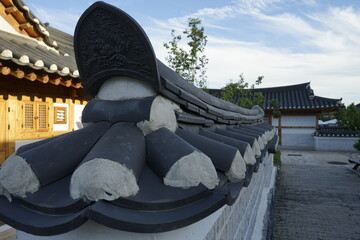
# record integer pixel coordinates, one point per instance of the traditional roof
(28, 23)
(36, 52)
(144, 163)
(335, 131)
(299, 96)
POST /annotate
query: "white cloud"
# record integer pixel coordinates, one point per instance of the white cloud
(332, 66)
(65, 20)
(322, 46)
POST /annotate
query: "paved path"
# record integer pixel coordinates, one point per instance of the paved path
(316, 199)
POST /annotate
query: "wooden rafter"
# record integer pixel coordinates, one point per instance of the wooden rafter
(17, 19)
(41, 76)
(76, 85)
(44, 78)
(17, 73)
(25, 25)
(11, 9)
(31, 76)
(66, 83)
(56, 81)
(5, 70)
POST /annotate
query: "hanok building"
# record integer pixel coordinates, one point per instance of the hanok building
(300, 112)
(40, 91)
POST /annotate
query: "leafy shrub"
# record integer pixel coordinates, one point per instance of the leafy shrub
(277, 158)
(349, 117)
(357, 145)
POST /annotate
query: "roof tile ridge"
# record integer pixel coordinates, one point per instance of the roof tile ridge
(38, 26)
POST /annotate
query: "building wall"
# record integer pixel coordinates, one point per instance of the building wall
(296, 130)
(298, 121)
(12, 122)
(5, 26)
(297, 138)
(335, 143)
(247, 218)
(62, 126)
(78, 109)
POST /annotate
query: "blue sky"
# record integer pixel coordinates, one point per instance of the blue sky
(287, 41)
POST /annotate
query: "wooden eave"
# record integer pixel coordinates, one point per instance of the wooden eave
(304, 111)
(25, 72)
(17, 19)
(24, 22)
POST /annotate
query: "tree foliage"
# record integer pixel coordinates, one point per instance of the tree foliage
(248, 97)
(276, 108)
(357, 145)
(349, 117)
(190, 63)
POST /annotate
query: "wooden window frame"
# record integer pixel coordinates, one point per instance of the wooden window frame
(36, 117)
(25, 126)
(63, 109)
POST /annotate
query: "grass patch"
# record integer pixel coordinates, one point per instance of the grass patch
(277, 158)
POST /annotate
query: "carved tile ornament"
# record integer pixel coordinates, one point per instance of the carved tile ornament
(109, 43)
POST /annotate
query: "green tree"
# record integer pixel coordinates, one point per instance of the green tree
(190, 63)
(349, 117)
(276, 108)
(248, 97)
(357, 145)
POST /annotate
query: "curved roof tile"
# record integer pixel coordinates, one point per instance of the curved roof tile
(299, 96)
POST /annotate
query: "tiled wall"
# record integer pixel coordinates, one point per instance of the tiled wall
(335, 143)
(248, 217)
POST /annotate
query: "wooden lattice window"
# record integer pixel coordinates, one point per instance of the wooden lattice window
(35, 117)
(29, 116)
(60, 115)
(42, 116)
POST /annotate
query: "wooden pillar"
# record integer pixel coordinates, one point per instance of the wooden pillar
(3, 117)
(317, 120)
(10, 126)
(71, 114)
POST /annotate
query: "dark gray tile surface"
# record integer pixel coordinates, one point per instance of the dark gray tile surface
(299, 96)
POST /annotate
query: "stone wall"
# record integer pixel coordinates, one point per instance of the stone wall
(248, 218)
(335, 143)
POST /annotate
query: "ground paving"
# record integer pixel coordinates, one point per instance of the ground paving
(318, 197)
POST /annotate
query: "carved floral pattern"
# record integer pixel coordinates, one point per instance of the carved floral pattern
(107, 41)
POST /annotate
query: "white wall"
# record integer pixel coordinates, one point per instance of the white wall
(275, 121)
(5, 26)
(248, 217)
(297, 138)
(25, 142)
(62, 127)
(335, 143)
(298, 121)
(77, 116)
